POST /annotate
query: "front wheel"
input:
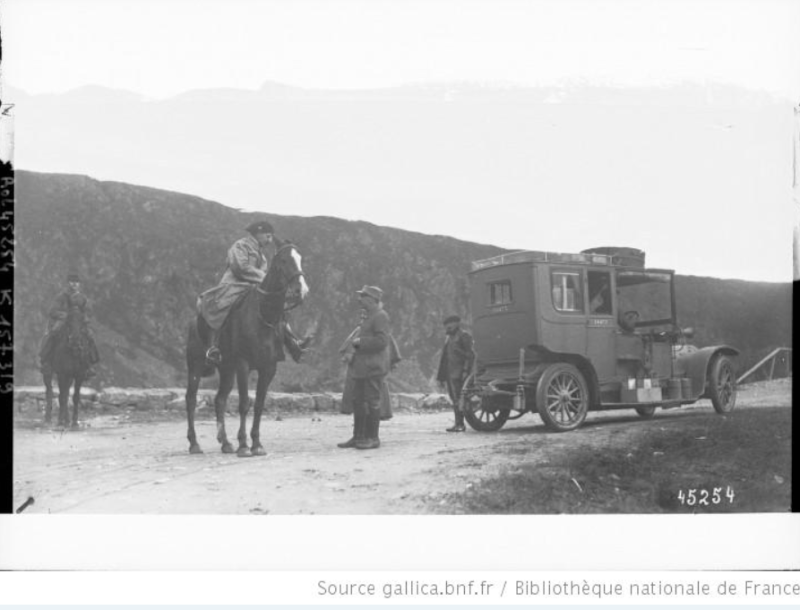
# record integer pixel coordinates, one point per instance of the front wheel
(481, 413)
(562, 397)
(722, 384)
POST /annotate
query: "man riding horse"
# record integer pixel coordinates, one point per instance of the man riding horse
(70, 302)
(246, 267)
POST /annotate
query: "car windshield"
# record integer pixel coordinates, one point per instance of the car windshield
(647, 294)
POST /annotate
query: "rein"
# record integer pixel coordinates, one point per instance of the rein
(273, 293)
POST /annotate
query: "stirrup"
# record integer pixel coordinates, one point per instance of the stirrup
(213, 355)
(296, 351)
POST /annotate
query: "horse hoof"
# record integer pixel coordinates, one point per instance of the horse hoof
(259, 451)
(244, 452)
(195, 449)
(227, 448)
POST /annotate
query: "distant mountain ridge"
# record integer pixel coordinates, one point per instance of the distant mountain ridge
(462, 156)
(146, 254)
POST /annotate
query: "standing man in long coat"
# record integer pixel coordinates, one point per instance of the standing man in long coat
(370, 366)
(458, 356)
(246, 267)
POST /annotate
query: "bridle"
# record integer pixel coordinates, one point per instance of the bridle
(288, 280)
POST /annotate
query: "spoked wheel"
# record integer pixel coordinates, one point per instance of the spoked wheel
(562, 397)
(646, 412)
(481, 414)
(722, 384)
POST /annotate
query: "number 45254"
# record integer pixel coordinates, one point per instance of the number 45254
(706, 497)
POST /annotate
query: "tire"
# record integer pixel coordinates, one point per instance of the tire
(646, 412)
(722, 384)
(482, 415)
(562, 397)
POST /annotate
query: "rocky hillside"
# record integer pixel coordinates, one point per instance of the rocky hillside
(145, 255)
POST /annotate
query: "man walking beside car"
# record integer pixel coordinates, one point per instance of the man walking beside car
(455, 365)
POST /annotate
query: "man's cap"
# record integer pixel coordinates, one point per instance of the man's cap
(260, 226)
(371, 291)
(73, 277)
(451, 319)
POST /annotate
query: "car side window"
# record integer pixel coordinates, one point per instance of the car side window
(500, 293)
(599, 293)
(566, 290)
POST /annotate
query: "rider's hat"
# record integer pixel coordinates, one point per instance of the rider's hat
(451, 319)
(371, 291)
(73, 277)
(260, 226)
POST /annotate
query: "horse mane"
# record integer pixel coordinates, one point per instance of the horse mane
(271, 296)
(279, 244)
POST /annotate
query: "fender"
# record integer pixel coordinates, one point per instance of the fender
(696, 366)
(581, 363)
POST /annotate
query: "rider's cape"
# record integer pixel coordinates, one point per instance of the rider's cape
(246, 266)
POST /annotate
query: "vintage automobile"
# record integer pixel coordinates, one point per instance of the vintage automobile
(564, 334)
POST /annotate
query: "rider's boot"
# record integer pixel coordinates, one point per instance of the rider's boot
(296, 347)
(44, 355)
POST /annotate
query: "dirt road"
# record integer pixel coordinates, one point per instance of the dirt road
(116, 465)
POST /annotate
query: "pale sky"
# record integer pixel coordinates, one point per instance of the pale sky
(165, 47)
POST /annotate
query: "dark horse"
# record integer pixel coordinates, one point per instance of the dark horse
(70, 358)
(249, 340)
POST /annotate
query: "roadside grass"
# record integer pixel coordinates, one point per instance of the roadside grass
(745, 457)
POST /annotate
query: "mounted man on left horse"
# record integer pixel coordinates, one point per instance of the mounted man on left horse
(68, 351)
(69, 302)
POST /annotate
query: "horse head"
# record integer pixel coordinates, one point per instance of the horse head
(285, 276)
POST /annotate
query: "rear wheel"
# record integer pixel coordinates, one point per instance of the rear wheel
(562, 397)
(646, 412)
(722, 384)
(482, 414)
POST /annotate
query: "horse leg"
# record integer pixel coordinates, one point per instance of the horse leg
(264, 379)
(76, 402)
(220, 402)
(48, 395)
(64, 383)
(242, 373)
(191, 405)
